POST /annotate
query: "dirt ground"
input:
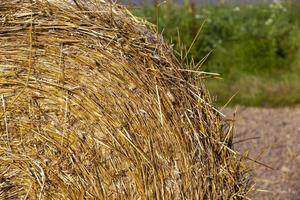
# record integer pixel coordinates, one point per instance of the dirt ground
(273, 137)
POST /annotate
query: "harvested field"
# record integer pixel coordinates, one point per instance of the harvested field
(278, 146)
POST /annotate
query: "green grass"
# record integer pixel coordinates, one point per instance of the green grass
(256, 49)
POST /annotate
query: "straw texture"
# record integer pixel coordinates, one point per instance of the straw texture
(94, 105)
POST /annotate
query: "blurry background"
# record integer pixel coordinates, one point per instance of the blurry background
(255, 47)
(255, 44)
(141, 2)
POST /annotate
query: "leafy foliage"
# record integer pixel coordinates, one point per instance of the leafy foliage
(260, 41)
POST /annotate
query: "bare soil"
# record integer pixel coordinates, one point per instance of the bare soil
(272, 136)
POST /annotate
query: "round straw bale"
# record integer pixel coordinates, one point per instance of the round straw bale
(94, 105)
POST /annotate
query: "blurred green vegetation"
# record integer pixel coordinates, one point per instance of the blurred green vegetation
(256, 48)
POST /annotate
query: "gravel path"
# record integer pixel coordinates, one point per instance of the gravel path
(275, 141)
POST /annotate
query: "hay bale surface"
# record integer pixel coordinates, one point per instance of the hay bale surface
(94, 105)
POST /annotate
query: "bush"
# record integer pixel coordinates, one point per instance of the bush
(259, 40)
